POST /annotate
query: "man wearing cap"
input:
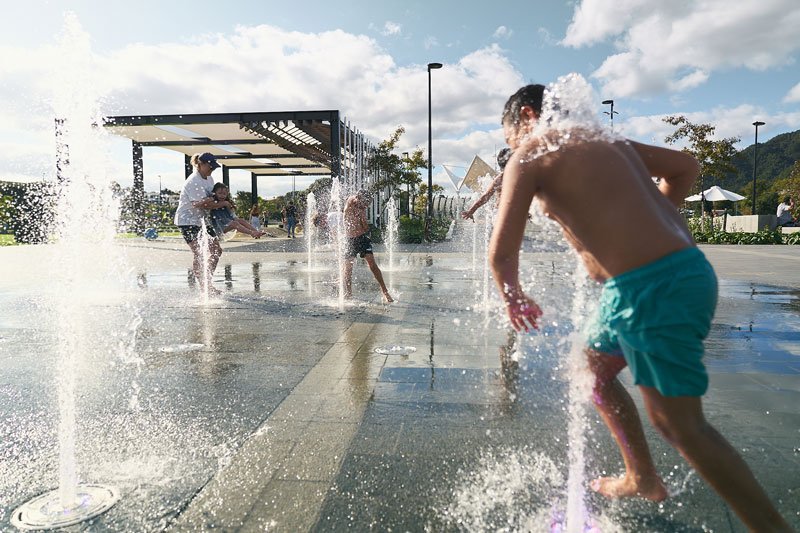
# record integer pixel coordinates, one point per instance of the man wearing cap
(196, 198)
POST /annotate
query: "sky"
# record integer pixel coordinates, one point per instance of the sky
(714, 61)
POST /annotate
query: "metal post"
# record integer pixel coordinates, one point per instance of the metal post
(62, 151)
(137, 191)
(610, 112)
(757, 123)
(336, 149)
(253, 188)
(429, 211)
(226, 177)
(187, 166)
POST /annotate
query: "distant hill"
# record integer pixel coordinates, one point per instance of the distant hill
(775, 160)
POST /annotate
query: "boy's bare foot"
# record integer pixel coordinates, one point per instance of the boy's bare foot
(213, 291)
(625, 487)
(387, 298)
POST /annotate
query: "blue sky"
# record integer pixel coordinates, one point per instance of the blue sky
(726, 63)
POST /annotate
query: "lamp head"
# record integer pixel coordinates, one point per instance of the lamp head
(432, 66)
(758, 123)
(606, 102)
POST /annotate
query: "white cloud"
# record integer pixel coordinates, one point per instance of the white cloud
(674, 46)
(430, 42)
(258, 68)
(793, 95)
(546, 37)
(728, 121)
(503, 32)
(392, 28)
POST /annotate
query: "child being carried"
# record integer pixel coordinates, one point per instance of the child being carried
(223, 218)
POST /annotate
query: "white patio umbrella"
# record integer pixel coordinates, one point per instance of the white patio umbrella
(716, 194)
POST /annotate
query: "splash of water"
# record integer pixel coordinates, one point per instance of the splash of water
(340, 235)
(310, 229)
(488, 218)
(507, 490)
(580, 387)
(391, 227)
(568, 115)
(87, 269)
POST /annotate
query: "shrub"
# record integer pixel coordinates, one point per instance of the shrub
(412, 230)
(762, 237)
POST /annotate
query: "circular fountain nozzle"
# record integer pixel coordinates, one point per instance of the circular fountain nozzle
(46, 511)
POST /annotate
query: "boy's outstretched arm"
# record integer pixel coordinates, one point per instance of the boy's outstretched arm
(519, 187)
(677, 170)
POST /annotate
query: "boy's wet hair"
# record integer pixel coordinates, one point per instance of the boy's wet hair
(529, 95)
(218, 186)
(502, 157)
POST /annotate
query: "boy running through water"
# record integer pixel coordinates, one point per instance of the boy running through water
(659, 293)
(358, 243)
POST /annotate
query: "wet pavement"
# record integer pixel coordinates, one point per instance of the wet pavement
(272, 409)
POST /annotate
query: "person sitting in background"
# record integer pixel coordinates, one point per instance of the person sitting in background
(784, 213)
(255, 220)
(223, 218)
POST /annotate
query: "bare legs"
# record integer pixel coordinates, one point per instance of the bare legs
(373, 266)
(202, 274)
(245, 227)
(619, 413)
(680, 420)
(348, 277)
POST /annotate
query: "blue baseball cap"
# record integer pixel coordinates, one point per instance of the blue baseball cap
(209, 158)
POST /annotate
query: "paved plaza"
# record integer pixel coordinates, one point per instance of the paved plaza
(273, 409)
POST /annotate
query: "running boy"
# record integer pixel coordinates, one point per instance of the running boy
(358, 243)
(659, 293)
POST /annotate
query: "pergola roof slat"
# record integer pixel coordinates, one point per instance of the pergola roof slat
(298, 140)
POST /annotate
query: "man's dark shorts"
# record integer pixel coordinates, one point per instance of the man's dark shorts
(190, 233)
(360, 245)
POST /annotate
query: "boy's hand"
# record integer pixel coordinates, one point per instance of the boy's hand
(523, 313)
(467, 215)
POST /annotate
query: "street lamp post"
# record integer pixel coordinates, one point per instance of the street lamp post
(757, 123)
(611, 112)
(429, 211)
(408, 184)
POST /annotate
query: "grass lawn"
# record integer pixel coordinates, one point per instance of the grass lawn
(7, 240)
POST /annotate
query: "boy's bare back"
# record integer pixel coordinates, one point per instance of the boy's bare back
(602, 195)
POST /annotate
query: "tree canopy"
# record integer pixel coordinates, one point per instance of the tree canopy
(715, 156)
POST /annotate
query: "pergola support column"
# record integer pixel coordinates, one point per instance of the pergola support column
(226, 177)
(253, 188)
(187, 166)
(137, 192)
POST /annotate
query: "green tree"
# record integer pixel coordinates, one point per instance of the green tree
(243, 201)
(421, 201)
(788, 186)
(715, 156)
(8, 212)
(397, 172)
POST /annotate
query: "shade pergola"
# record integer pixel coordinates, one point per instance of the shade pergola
(267, 144)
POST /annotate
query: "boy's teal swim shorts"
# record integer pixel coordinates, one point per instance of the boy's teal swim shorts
(657, 316)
